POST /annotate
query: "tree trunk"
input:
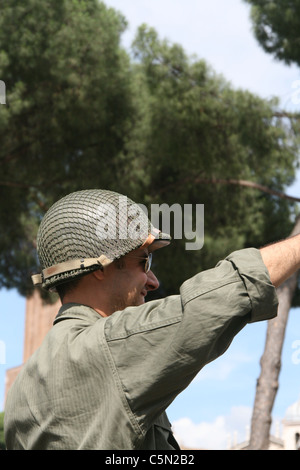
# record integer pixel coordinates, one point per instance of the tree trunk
(267, 384)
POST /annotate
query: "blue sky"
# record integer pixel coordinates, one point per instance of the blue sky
(220, 399)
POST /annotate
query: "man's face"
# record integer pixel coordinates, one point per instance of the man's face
(128, 284)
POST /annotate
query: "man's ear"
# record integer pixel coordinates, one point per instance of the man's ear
(98, 274)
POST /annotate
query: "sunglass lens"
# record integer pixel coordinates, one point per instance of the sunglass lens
(148, 263)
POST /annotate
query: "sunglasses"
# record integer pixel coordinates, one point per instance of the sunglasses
(147, 259)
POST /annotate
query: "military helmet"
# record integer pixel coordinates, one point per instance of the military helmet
(87, 230)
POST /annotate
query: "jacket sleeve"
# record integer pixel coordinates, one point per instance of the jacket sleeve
(158, 348)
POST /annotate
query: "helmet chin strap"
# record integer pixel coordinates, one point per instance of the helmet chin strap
(38, 279)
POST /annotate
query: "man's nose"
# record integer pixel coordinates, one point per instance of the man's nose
(152, 281)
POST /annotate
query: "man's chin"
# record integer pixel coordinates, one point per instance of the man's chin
(135, 301)
(140, 300)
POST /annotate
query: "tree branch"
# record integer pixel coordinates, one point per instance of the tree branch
(249, 184)
(15, 184)
(236, 182)
(286, 114)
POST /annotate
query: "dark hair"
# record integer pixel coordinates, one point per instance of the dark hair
(64, 288)
(120, 263)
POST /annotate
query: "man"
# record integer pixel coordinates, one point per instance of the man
(111, 364)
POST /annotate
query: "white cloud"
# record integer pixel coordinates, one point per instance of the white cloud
(219, 434)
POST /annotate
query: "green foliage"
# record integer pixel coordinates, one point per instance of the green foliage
(2, 442)
(158, 126)
(67, 91)
(277, 26)
(68, 112)
(200, 130)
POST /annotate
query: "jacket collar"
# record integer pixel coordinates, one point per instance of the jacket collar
(76, 311)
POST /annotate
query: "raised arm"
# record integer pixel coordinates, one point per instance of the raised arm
(282, 259)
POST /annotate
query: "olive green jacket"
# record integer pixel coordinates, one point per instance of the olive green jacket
(105, 383)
